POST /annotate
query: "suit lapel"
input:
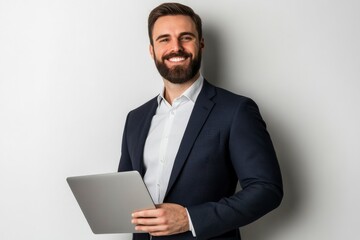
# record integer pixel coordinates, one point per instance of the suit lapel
(200, 113)
(145, 127)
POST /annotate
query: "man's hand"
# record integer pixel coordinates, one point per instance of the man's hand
(166, 219)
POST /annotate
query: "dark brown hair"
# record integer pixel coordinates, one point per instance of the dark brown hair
(173, 9)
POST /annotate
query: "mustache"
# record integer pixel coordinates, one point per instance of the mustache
(177, 54)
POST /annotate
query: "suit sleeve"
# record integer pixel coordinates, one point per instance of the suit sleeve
(125, 160)
(254, 160)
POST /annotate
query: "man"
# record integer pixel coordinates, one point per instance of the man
(194, 142)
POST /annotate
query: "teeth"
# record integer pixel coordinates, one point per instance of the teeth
(176, 59)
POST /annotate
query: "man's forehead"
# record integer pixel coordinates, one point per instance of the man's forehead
(174, 23)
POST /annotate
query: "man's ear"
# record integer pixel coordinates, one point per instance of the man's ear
(151, 50)
(202, 43)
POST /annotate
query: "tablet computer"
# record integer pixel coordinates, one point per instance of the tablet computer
(107, 200)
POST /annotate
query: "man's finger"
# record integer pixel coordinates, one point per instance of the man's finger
(157, 230)
(147, 221)
(146, 213)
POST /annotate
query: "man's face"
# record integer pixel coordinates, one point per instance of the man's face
(176, 48)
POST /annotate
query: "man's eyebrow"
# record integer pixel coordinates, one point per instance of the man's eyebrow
(187, 33)
(181, 34)
(162, 36)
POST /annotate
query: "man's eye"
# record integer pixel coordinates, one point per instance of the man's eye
(164, 40)
(186, 38)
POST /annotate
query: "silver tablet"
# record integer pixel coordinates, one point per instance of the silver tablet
(107, 200)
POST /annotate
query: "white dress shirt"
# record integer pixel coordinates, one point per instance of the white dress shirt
(163, 141)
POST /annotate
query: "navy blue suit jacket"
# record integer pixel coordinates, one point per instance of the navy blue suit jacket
(225, 141)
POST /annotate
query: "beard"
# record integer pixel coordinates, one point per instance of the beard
(179, 74)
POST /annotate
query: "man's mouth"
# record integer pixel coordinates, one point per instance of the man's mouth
(176, 59)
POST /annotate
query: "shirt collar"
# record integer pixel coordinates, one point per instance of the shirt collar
(191, 93)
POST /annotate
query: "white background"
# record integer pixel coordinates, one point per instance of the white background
(71, 70)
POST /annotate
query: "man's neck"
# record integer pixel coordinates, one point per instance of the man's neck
(174, 90)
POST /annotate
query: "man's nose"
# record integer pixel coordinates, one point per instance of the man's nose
(176, 46)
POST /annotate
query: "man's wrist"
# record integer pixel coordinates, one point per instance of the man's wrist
(191, 227)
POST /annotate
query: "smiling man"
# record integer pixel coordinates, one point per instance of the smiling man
(194, 142)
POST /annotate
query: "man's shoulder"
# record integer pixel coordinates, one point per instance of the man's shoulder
(144, 108)
(226, 96)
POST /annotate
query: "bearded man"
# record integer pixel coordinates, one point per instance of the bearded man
(194, 142)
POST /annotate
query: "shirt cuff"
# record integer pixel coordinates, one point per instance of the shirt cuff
(191, 227)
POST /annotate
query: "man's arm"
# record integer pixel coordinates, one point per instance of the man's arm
(255, 163)
(125, 160)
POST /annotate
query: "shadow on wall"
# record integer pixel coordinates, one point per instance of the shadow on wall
(213, 63)
(215, 69)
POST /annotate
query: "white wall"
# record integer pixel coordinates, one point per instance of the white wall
(71, 70)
